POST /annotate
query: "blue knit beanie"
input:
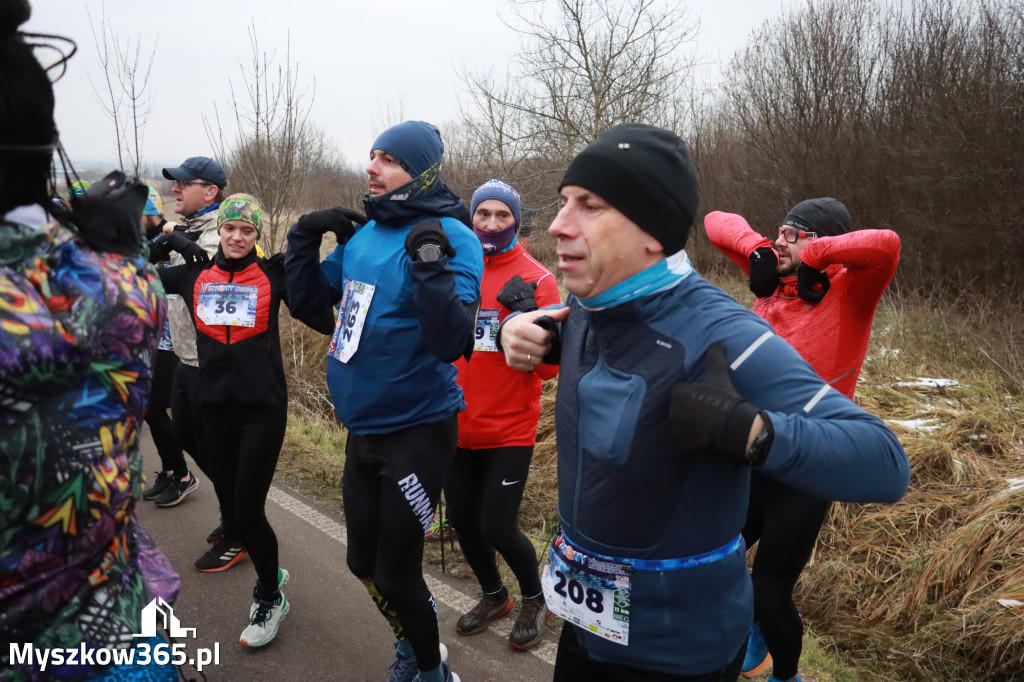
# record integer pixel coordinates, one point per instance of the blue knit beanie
(414, 144)
(496, 189)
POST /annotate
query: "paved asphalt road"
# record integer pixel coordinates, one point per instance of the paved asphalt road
(333, 631)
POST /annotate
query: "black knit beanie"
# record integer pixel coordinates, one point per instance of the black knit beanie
(647, 174)
(826, 216)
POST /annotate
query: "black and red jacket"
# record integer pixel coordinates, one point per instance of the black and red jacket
(237, 364)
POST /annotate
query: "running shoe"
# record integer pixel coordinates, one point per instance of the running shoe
(282, 579)
(528, 629)
(489, 608)
(404, 669)
(449, 676)
(161, 483)
(265, 620)
(795, 678)
(221, 556)
(757, 659)
(177, 491)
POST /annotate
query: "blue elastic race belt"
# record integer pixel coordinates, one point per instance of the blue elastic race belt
(666, 564)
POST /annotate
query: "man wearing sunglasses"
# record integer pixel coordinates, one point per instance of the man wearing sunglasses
(199, 184)
(818, 284)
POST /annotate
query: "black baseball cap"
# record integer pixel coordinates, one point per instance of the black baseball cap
(198, 168)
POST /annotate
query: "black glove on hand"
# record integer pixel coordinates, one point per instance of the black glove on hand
(518, 295)
(811, 284)
(764, 272)
(710, 416)
(341, 221)
(189, 250)
(427, 241)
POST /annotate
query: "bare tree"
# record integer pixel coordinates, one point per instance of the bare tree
(125, 97)
(276, 146)
(584, 66)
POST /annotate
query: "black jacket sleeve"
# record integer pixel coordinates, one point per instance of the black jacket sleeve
(310, 295)
(323, 322)
(447, 324)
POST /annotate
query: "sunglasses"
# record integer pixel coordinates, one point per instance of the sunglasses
(792, 234)
(183, 185)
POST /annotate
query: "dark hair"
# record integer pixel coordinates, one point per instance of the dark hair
(27, 128)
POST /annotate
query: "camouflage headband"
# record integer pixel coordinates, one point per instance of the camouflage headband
(241, 207)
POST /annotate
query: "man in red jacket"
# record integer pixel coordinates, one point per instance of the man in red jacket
(498, 428)
(819, 288)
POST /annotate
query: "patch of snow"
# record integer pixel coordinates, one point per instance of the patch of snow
(1015, 483)
(1009, 603)
(975, 436)
(921, 425)
(924, 382)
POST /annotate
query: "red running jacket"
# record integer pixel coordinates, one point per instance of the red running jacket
(833, 334)
(503, 404)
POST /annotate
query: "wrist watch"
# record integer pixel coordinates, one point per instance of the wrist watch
(762, 443)
(428, 252)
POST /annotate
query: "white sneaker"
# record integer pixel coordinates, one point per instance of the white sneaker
(282, 579)
(265, 621)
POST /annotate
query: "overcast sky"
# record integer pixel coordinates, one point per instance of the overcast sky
(370, 61)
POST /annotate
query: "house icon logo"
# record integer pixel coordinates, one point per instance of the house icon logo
(158, 608)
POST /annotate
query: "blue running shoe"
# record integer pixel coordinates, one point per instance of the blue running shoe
(757, 659)
(795, 678)
(404, 669)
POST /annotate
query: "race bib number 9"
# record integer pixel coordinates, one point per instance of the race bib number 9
(591, 593)
(355, 303)
(231, 305)
(486, 331)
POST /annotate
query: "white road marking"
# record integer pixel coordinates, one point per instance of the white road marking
(449, 596)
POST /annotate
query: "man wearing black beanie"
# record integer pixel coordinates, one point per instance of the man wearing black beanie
(818, 284)
(669, 394)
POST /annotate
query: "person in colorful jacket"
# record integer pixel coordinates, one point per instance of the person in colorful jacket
(407, 284)
(498, 428)
(669, 395)
(234, 300)
(819, 288)
(80, 317)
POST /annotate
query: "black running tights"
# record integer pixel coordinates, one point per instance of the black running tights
(785, 523)
(247, 441)
(160, 425)
(188, 418)
(391, 485)
(483, 494)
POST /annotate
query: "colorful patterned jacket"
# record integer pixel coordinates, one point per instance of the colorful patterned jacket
(78, 331)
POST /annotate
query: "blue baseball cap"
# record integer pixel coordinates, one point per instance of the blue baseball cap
(198, 168)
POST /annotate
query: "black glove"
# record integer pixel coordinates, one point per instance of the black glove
(189, 250)
(764, 272)
(427, 241)
(341, 221)
(811, 284)
(517, 295)
(710, 416)
(554, 355)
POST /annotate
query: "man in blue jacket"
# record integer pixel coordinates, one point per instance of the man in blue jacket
(407, 286)
(669, 394)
